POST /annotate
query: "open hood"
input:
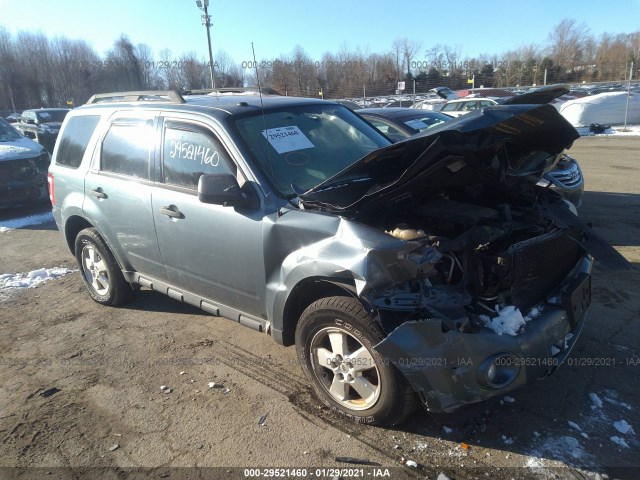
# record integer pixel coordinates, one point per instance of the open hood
(490, 144)
(538, 97)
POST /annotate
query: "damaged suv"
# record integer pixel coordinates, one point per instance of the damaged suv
(431, 271)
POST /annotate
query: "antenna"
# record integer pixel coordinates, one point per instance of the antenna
(264, 119)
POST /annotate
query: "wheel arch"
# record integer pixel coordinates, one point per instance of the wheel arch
(72, 227)
(303, 294)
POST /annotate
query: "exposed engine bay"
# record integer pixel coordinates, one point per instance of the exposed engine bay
(478, 257)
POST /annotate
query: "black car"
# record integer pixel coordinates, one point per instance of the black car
(23, 168)
(42, 125)
(401, 123)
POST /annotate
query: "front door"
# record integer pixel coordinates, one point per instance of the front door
(212, 251)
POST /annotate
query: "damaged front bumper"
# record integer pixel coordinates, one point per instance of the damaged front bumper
(451, 369)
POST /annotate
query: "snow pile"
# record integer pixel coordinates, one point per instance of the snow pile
(509, 321)
(33, 278)
(21, 222)
(605, 108)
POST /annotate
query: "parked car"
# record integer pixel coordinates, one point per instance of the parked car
(23, 169)
(400, 123)
(425, 271)
(455, 108)
(13, 117)
(42, 125)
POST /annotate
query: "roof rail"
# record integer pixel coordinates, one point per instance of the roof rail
(137, 96)
(205, 91)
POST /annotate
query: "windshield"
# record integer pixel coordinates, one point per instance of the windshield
(8, 133)
(422, 122)
(47, 116)
(307, 144)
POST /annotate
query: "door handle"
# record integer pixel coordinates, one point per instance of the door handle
(171, 211)
(98, 193)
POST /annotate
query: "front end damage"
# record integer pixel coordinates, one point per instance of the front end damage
(502, 279)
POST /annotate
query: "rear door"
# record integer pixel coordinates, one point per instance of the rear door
(118, 192)
(212, 251)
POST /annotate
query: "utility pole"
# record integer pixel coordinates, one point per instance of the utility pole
(206, 21)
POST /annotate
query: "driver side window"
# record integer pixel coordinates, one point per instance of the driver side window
(188, 153)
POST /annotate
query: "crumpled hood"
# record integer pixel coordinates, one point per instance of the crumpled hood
(495, 142)
(17, 149)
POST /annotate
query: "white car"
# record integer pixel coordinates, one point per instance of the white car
(455, 108)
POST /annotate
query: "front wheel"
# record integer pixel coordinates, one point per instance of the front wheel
(100, 271)
(334, 341)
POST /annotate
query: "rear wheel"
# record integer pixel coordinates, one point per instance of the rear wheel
(100, 271)
(334, 341)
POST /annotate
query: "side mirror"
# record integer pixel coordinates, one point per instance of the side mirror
(222, 189)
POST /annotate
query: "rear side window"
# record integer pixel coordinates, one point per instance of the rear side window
(126, 148)
(75, 139)
(190, 152)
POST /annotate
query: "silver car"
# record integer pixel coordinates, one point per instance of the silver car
(431, 271)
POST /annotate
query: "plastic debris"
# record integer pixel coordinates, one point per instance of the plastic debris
(411, 463)
(183, 373)
(509, 399)
(442, 476)
(262, 420)
(163, 388)
(166, 390)
(358, 461)
(464, 446)
(226, 390)
(50, 392)
(114, 447)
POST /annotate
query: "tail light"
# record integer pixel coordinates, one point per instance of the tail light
(52, 191)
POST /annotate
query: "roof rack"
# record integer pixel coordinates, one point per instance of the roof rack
(137, 96)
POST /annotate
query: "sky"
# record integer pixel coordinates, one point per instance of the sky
(276, 28)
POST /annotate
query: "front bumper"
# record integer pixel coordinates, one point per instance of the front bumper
(446, 369)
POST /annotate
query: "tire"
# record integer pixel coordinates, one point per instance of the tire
(334, 340)
(100, 271)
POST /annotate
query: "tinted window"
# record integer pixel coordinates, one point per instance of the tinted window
(75, 139)
(125, 149)
(190, 153)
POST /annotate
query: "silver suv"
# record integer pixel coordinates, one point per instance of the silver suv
(430, 271)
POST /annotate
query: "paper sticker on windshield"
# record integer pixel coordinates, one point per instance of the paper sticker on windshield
(287, 139)
(417, 124)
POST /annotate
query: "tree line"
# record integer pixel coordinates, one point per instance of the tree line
(37, 71)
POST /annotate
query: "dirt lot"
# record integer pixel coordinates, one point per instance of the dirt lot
(109, 364)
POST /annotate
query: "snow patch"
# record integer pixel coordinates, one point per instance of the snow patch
(7, 225)
(623, 427)
(595, 401)
(32, 278)
(619, 441)
(574, 425)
